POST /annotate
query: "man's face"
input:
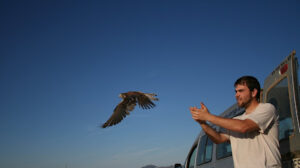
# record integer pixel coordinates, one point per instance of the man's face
(243, 95)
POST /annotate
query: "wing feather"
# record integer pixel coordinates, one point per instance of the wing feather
(120, 112)
(144, 101)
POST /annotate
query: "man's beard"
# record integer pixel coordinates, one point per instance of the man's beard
(245, 104)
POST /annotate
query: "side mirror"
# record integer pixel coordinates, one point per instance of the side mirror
(177, 165)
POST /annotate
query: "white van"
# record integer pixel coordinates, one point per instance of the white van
(282, 90)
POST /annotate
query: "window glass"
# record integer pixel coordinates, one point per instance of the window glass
(205, 150)
(279, 97)
(208, 150)
(191, 161)
(201, 150)
(223, 150)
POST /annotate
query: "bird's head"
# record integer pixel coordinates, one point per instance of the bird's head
(122, 95)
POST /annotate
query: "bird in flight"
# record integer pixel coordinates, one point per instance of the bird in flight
(129, 100)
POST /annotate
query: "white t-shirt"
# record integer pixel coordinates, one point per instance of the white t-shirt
(257, 149)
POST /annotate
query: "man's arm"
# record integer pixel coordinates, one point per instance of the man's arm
(236, 125)
(215, 136)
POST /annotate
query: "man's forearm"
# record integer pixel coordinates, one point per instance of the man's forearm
(233, 124)
(215, 136)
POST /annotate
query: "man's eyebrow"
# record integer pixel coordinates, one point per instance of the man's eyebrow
(238, 90)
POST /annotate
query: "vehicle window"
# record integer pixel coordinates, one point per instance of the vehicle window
(279, 97)
(223, 150)
(205, 150)
(208, 150)
(191, 161)
(201, 150)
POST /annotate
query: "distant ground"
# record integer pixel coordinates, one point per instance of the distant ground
(153, 166)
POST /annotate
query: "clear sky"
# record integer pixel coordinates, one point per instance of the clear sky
(63, 64)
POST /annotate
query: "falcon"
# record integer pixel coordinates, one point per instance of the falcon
(128, 103)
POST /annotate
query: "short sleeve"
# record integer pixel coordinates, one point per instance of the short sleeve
(263, 116)
(225, 132)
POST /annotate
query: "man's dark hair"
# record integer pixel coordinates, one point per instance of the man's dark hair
(251, 82)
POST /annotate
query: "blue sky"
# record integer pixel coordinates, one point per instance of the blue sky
(64, 63)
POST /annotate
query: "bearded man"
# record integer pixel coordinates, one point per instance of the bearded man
(253, 135)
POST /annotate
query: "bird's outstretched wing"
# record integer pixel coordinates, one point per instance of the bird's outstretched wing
(144, 100)
(120, 112)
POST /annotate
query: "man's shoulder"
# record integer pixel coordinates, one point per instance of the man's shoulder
(261, 108)
(267, 106)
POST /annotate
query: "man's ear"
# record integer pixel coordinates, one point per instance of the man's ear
(254, 92)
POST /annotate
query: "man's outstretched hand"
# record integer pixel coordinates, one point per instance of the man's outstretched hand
(200, 114)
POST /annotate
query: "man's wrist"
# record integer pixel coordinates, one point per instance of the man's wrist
(209, 117)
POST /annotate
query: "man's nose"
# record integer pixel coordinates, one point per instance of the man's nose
(236, 95)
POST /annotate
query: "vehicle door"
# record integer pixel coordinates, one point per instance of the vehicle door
(204, 157)
(282, 90)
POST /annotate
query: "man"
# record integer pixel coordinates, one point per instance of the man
(253, 135)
